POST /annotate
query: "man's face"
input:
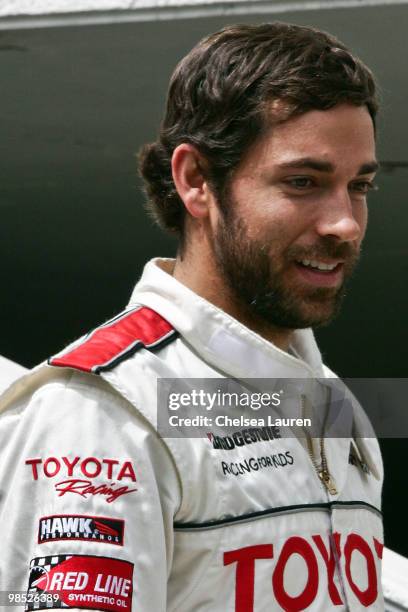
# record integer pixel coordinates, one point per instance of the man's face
(297, 215)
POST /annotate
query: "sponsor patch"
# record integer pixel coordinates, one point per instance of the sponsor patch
(81, 581)
(319, 577)
(246, 436)
(78, 475)
(81, 527)
(254, 464)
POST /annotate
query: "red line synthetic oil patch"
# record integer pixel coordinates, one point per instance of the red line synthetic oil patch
(80, 581)
(81, 527)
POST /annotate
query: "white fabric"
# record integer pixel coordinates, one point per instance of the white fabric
(200, 528)
(395, 579)
(9, 372)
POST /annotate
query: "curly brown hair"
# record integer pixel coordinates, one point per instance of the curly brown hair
(220, 95)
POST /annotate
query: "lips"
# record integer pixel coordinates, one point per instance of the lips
(320, 274)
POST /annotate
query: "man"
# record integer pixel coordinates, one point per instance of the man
(262, 167)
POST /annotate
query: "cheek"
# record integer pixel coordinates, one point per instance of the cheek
(271, 232)
(266, 214)
(275, 219)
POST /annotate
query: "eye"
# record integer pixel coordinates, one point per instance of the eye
(363, 187)
(299, 182)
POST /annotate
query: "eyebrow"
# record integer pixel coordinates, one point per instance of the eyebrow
(324, 166)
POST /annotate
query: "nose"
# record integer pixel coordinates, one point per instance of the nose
(342, 218)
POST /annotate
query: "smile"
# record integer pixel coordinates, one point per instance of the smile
(320, 273)
(319, 265)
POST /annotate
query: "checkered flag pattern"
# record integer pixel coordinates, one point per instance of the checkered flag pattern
(39, 567)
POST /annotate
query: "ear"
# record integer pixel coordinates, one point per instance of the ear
(187, 167)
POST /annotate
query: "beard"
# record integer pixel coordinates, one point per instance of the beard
(256, 273)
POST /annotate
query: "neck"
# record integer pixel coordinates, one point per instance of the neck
(205, 280)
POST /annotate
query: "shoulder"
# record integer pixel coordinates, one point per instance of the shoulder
(55, 414)
(71, 377)
(116, 340)
(59, 401)
(9, 371)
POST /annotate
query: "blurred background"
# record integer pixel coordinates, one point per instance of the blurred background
(81, 91)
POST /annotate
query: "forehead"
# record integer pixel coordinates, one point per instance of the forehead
(343, 136)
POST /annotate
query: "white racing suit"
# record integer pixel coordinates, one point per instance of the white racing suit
(9, 372)
(99, 511)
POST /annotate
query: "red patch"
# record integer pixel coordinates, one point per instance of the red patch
(114, 341)
(83, 581)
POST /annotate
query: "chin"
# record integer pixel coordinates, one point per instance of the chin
(299, 316)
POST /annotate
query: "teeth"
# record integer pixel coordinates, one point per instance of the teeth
(317, 264)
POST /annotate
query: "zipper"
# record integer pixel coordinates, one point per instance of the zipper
(328, 482)
(322, 471)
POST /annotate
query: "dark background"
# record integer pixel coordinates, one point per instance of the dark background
(76, 104)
